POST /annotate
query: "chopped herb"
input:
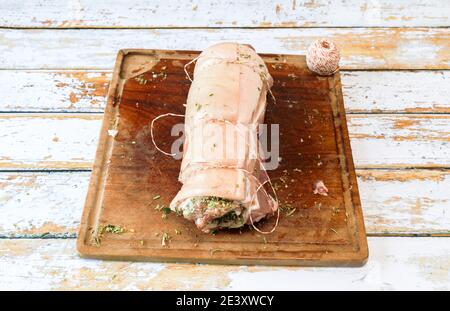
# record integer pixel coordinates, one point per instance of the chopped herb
(215, 250)
(287, 209)
(102, 229)
(198, 106)
(165, 239)
(111, 229)
(140, 80)
(166, 210)
(160, 207)
(336, 210)
(230, 217)
(276, 186)
(291, 212)
(212, 202)
(211, 94)
(214, 231)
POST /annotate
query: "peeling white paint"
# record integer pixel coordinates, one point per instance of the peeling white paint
(394, 264)
(97, 48)
(201, 13)
(53, 90)
(36, 203)
(43, 141)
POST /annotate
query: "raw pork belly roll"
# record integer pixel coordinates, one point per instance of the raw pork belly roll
(220, 171)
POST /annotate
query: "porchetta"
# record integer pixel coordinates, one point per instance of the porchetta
(221, 173)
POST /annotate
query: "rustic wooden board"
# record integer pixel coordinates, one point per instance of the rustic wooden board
(394, 264)
(395, 202)
(364, 91)
(128, 172)
(408, 140)
(216, 13)
(361, 48)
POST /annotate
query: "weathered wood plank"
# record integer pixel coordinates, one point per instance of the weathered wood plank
(68, 141)
(57, 91)
(364, 91)
(400, 140)
(201, 13)
(362, 48)
(37, 203)
(422, 263)
(43, 141)
(394, 202)
(396, 91)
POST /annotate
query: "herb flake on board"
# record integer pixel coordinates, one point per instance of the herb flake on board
(165, 239)
(102, 229)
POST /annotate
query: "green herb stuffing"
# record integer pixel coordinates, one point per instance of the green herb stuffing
(230, 217)
(213, 202)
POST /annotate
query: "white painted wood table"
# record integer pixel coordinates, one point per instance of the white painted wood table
(56, 59)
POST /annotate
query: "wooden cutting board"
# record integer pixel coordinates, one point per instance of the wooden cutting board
(131, 180)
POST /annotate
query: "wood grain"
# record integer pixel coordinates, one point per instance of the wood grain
(40, 203)
(201, 13)
(405, 202)
(361, 48)
(68, 141)
(394, 264)
(53, 91)
(396, 91)
(400, 140)
(36, 141)
(364, 91)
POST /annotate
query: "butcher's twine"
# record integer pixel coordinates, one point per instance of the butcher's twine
(323, 57)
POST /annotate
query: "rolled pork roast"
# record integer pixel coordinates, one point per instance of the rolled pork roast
(221, 169)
